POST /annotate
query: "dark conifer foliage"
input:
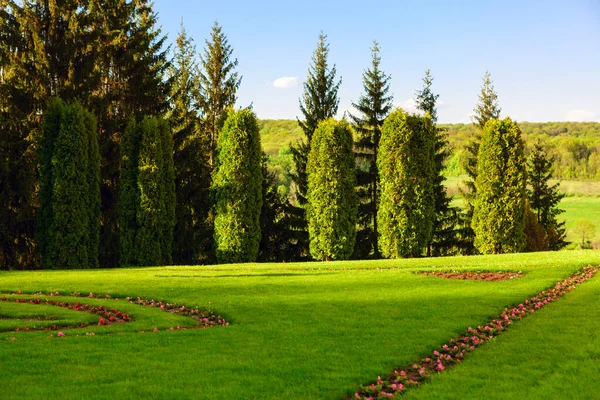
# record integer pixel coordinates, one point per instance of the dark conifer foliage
(133, 62)
(544, 198)
(147, 193)
(106, 54)
(373, 107)
(218, 84)
(69, 220)
(192, 235)
(319, 102)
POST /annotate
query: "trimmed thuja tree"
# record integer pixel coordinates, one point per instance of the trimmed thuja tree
(499, 209)
(406, 167)
(332, 202)
(146, 193)
(237, 189)
(69, 216)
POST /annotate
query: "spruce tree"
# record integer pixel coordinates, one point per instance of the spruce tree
(192, 232)
(133, 62)
(486, 109)
(319, 102)
(444, 235)
(108, 55)
(373, 107)
(499, 209)
(544, 199)
(406, 164)
(219, 84)
(237, 189)
(332, 201)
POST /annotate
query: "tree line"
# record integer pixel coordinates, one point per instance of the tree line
(116, 153)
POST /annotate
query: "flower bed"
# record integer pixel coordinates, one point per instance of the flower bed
(453, 352)
(475, 276)
(205, 318)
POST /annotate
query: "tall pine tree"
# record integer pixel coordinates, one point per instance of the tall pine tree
(106, 54)
(443, 239)
(319, 102)
(219, 84)
(193, 234)
(487, 109)
(373, 107)
(545, 198)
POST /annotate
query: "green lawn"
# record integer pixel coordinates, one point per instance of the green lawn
(555, 355)
(298, 331)
(580, 207)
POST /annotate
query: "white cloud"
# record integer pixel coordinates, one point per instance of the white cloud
(583, 115)
(286, 82)
(408, 105)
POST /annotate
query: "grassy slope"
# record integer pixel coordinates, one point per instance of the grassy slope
(278, 133)
(298, 330)
(554, 355)
(577, 208)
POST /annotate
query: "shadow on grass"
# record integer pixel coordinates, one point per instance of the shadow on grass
(242, 275)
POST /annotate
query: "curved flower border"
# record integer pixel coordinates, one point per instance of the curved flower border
(449, 354)
(205, 318)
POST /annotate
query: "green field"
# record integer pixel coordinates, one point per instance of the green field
(298, 331)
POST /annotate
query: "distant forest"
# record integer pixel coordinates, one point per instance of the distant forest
(573, 146)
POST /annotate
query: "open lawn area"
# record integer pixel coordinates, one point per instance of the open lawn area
(301, 331)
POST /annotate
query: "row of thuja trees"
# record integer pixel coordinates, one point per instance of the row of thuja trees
(384, 193)
(179, 172)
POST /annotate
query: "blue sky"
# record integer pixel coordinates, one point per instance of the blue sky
(544, 56)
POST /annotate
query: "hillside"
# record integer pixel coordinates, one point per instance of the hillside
(575, 146)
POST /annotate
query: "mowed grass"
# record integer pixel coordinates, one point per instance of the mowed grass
(577, 208)
(13, 316)
(298, 331)
(554, 355)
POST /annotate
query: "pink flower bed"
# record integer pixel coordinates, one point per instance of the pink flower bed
(453, 352)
